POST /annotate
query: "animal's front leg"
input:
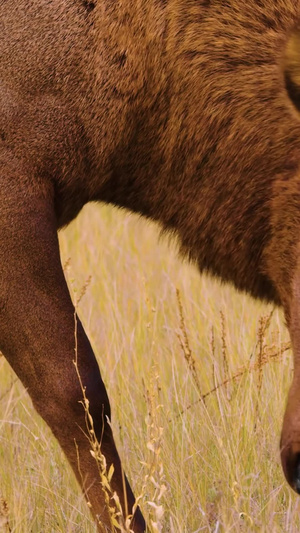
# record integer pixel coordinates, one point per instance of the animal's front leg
(290, 439)
(37, 337)
(282, 260)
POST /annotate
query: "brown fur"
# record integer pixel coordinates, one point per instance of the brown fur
(184, 111)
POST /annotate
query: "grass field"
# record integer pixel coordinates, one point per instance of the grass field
(197, 376)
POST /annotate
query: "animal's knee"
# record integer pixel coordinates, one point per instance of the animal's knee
(73, 402)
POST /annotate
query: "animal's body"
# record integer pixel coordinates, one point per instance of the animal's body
(184, 111)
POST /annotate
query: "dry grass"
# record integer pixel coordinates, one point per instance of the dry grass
(197, 376)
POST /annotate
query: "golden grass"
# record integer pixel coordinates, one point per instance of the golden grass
(197, 376)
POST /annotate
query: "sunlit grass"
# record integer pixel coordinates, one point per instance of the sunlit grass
(163, 336)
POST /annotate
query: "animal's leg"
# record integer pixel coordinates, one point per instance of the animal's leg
(37, 337)
(283, 266)
(290, 439)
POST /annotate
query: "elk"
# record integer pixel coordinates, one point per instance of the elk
(184, 111)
